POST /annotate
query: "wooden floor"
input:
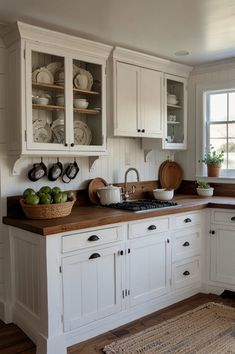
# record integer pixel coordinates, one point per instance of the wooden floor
(14, 341)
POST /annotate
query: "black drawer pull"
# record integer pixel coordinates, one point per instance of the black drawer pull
(95, 255)
(93, 238)
(186, 244)
(186, 272)
(152, 227)
(187, 220)
(233, 218)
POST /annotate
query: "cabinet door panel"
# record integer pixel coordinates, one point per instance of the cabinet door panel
(222, 255)
(127, 100)
(91, 287)
(149, 268)
(151, 103)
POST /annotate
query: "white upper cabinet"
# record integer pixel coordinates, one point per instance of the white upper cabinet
(137, 101)
(57, 93)
(150, 99)
(175, 127)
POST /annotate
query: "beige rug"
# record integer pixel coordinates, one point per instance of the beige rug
(208, 329)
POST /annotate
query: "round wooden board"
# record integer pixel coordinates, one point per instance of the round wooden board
(171, 175)
(160, 169)
(95, 183)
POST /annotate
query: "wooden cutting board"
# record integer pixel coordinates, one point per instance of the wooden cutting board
(170, 175)
(95, 183)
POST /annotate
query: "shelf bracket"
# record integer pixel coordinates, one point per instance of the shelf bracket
(14, 165)
(91, 161)
(146, 154)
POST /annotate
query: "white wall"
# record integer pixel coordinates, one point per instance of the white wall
(214, 76)
(111, 168)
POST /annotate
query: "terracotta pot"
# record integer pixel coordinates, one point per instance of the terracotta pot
(213, 170)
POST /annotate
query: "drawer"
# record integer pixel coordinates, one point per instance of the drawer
(186, 243)
(187, 220)
(151, 226)
(91, 238)
(186, 273)
(224, 217)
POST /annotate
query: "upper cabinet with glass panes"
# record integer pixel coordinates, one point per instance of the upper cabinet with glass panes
(220, 124)
(58, 93)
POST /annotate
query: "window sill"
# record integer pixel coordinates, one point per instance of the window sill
(221, 179)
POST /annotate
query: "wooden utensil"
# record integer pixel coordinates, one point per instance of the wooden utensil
(171, 175)
(95, 183)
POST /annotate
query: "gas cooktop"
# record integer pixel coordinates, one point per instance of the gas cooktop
(142, 205)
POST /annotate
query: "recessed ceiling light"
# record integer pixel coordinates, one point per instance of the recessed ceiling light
(181, 53)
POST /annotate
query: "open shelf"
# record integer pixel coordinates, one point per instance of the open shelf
(173, 106)
(50, 87)
(61, 108)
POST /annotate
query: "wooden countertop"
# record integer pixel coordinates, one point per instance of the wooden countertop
(93, 216)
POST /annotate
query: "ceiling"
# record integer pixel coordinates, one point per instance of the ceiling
(204, 28)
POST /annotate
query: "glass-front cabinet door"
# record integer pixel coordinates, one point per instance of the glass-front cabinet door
(175, 113)
(88, 127)
(64, 106)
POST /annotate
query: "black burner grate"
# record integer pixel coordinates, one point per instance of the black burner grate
(142, 205)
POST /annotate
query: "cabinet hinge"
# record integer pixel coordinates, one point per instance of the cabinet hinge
(60, 269)
(25, 135)
(123, 294)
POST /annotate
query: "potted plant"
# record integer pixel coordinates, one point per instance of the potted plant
(204, 189)
(213, 159)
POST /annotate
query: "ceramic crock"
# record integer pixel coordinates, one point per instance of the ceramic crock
(109, 194)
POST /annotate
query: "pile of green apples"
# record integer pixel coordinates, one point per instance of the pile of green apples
(46, 195)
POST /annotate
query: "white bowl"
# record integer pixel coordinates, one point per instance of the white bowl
(41, 100)
(163, 194)
(205, 192)
(60, 100)
(80, 103)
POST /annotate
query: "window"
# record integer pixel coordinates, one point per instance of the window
(220, 124)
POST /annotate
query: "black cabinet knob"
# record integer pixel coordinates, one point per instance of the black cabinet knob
(233, 218)
(152, 227)
(186, 244)
(93, 238)
(138, 130)
(186, 273)
(72, 145)
(121, 253)
(65, 144)
(143, 130)
(168, 240)
(95, 255)
(187, 220)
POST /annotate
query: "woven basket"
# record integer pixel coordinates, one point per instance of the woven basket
(47, 211)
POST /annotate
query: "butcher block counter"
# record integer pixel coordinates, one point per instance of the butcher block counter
(92, 216)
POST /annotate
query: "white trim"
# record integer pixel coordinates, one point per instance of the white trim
(200, 108)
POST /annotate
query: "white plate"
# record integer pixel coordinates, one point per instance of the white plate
(58, 133)
(44, 76)
(54, 67)
(42, 134)
(82, 133)
(80, 81)
(77, 70)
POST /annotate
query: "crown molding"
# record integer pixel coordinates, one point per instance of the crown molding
(225, 64)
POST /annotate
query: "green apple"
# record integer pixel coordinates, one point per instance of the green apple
(60, 197)
(32, 199)
(28, 191)
(64, 197)
(45, 199)
(55, 190)
(71, 195)
(45, 189)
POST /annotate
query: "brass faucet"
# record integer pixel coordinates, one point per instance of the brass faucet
(125, 192)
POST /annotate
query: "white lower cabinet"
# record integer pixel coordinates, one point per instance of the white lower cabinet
(94, 280)
(149, 264)
(222, 249)
(91, 286)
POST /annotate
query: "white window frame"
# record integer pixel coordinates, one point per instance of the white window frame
(201, 127)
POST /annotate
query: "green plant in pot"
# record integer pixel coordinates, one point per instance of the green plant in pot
(204, 189)
(213, 159)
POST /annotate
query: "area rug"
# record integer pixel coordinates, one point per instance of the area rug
(208, 329)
